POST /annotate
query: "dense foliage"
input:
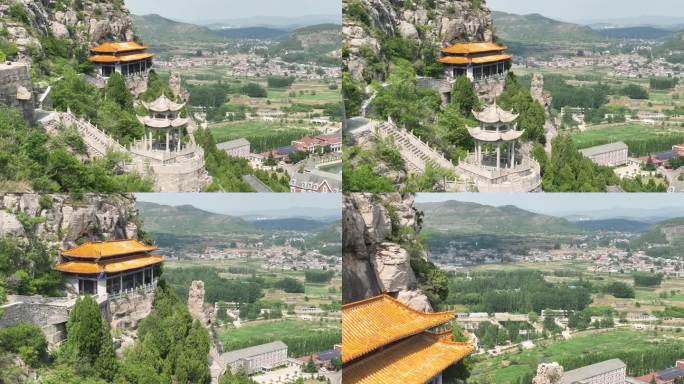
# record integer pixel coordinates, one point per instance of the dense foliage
(317, 276)
(519, 99)
(402, 100)
(89, 348)
(26, 268)
(171, 347)
(568, 171)
(25, 340)
(50, 163)
(216, 288)
(521, 291)
(647, 279)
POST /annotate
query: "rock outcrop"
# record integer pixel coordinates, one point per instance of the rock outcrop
(551, 373)
(373, 261)
(92, 22)
(66, 219)
(434, 23)
(204, 315)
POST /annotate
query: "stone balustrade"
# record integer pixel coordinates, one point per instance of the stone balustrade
(412, 144)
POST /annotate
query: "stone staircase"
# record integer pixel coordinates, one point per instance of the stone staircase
(416, 153)
(97, 141)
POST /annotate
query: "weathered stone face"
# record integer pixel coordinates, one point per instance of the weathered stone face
(97, 21)
(450, 21)
(548, 374)
(66, 220)
(372, 263)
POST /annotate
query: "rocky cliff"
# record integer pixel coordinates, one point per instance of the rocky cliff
(83, 22)
(64, 219)
(429, 23)
(373, 260)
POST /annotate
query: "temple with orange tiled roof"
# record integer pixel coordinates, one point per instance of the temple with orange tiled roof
(477, 61)
(127, 58)
(386, 341)
(110, 268)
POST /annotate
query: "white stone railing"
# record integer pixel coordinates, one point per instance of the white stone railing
(500, 76)
(142, 289)
(389, 129)
(525, 177)
(96, 139)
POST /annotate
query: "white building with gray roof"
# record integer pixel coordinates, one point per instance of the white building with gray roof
(609, 155)
(235, 148)
(612, 371)
(254, 359)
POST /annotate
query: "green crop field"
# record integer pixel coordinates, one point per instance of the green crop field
(262, 135)
(302, 337)
(641, 139)
(509, 368)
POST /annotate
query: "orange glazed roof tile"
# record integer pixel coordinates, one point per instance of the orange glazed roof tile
(475, 60)
(116, 47)
(468, 48)
(108, 267)
(96, 250)
(373, 323)
(414, 360)
(116, 59)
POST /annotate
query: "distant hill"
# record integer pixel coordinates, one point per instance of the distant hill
(296, 224)
(535, 28)
(668, 234)
(155, 30)
(646, 33)
(620, 225)
(187, 220)
(470, 218)
(251, 33)
(675, 43)
(327, 36)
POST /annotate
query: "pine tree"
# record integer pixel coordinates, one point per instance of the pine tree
(117, 91)
(106, 364)
(463, 94)
(84, 329)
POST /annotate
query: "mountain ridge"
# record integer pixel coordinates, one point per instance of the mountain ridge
(535, 28)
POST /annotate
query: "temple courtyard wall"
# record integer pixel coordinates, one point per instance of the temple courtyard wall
(16, 89)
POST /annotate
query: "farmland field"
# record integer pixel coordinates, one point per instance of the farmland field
(641, 139)
(302, 337)
(509, 368)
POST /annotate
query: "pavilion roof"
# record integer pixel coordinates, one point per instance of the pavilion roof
(99, 249)
(373, 323)
(121, 58)
(414, 360)
(118, 47)
(462, 60)
(113, 266)
(162, 123)
(163, 104)
(494, 136)
(495, 114)
(476, 47)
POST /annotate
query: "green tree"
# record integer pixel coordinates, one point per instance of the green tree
(463, 94)
(116, 90)
(85, 330)
(26, 340)
(106, 363)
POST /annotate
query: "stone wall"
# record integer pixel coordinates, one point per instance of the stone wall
(372, 263)
(16, 89)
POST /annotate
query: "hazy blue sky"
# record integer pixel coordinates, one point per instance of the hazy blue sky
(246, 203)
(191, 10)
(590, 9)
(564, 203)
